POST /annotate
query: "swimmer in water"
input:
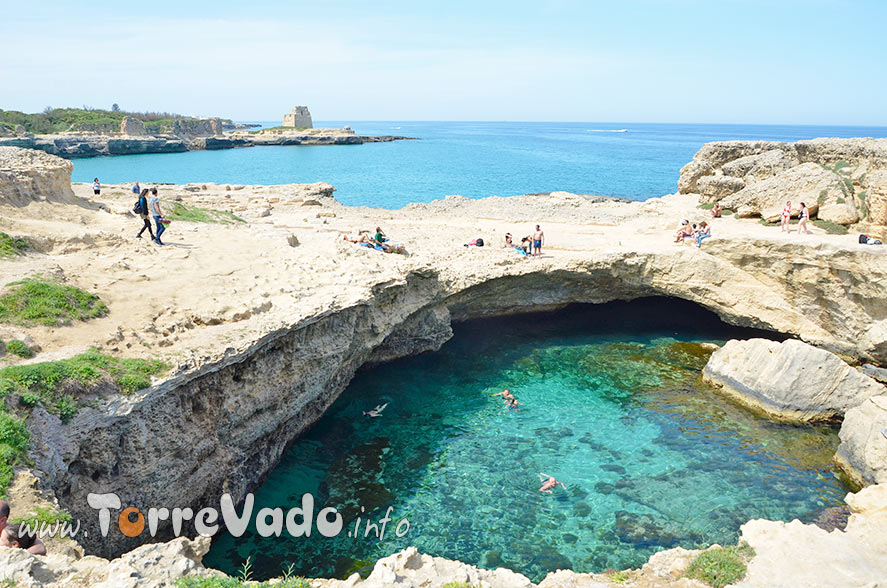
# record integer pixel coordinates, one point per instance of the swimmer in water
(376, 412)
(506, 395)
(512, 403)
(548, 483)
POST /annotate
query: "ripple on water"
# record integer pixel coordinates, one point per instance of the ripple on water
(612, 405)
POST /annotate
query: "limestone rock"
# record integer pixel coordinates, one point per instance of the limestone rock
(27, 176)
(690, 174)
(132, 127)
(760, 166)
(790, 381)
(794, 554)
(715, 188)
(863, 450)
(808, 183)
(876, 198)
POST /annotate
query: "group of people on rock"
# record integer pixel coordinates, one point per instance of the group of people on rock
(803, 218)
(16, 536)
(691, 231)
(530, 245)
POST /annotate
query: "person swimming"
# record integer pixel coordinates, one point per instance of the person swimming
(512, 403)
(376, 412)
(548, 483)
(506, 394)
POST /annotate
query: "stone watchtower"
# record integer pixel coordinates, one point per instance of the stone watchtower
(299, 117)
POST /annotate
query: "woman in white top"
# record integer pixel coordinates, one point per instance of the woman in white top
(96, 187)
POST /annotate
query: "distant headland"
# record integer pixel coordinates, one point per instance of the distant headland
(88, 132)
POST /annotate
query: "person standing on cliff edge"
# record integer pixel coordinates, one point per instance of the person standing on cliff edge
(37, 548)
(538, 238)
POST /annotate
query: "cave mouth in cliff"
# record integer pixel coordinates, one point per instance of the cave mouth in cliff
(611, 404)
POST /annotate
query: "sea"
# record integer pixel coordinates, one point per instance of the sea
(636, 161)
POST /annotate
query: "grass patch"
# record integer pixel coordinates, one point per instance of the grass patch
(706, 206)
(10, 246)
(16, 347)
(34, 301)
(14, 440)
(195, 214)
(48, 516)
(237, 583)
(55, 385)
(727, 211)
(620, 577)
(722, 566)
(830, 227)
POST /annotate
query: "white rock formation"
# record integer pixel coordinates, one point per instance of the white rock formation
(132, 127)
(795, 555)
(863, 450)
(27, 176)
(790, 381)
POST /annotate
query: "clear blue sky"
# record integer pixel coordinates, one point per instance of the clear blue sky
(727, 61)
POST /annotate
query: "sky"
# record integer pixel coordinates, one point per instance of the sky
(706, 61)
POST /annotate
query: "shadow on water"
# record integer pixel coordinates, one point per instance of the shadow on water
(611, 404)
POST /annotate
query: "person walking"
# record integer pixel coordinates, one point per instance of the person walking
(804, 217)
(786, 217)
(96, 187)
(143, 207)
(154, 207)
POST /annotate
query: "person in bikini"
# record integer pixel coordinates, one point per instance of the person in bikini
(548, 483)
(804, 217)
(786, 216)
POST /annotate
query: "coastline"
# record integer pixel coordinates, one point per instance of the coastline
(244, 298)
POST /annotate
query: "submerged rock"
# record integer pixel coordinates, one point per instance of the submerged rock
(790, 381)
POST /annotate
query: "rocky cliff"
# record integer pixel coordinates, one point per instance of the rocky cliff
(841, 180)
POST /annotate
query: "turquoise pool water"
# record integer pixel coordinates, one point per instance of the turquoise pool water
(611, 406)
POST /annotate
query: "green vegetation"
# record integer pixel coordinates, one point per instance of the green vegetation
(56, 385)
(830, 227)
(620, 577)
(286, 582)
(10, 246)
(727, 211)
(721, 566)
(767, 223)
(16, 347)
(59, 120)
(34, 301)
(14, 440)
(195, 214)
(41, 515)
(708, 206)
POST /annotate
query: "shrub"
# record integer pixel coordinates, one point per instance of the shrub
(19, 348)
(196, 214)
(721, 566)
(33, 301)
(10, 246)
(14, 440)
(830, 227)
(41, 515)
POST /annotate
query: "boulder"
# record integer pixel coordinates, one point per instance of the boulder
(132, 127)
(761, 166)
(715, 188)
(862, 453)
(808, 182)
(794, 554)
(27, 175)
(876, 198)
(690, 174)
(790, 381)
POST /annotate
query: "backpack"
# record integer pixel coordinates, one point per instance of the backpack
(479, 243)
(863, 239)
(137, 208)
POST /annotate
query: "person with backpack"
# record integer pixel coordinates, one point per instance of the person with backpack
(141, 209)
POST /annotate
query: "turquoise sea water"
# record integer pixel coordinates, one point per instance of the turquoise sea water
(474, 159)
(611, 406)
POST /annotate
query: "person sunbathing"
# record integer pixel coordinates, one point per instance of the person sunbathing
(685, 231)
(548, 483)
(363, 238)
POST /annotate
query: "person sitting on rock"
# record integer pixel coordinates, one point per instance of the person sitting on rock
(31, 543)
(716, 210)
(12, 536)
(509, 242)
(703, 232)
(685, 231)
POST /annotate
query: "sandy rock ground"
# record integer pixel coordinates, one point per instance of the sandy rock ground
(215, 286)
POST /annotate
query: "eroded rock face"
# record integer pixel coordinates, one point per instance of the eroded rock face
(863, 450)
(132, 127)
(790, 381)
(832, 176)
(27, 176)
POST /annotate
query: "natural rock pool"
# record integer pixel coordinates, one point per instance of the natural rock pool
(611, 404)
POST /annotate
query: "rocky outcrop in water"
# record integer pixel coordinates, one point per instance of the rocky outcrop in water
(790, 381)
(862, 453)
(836, 178)
(74, 145)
